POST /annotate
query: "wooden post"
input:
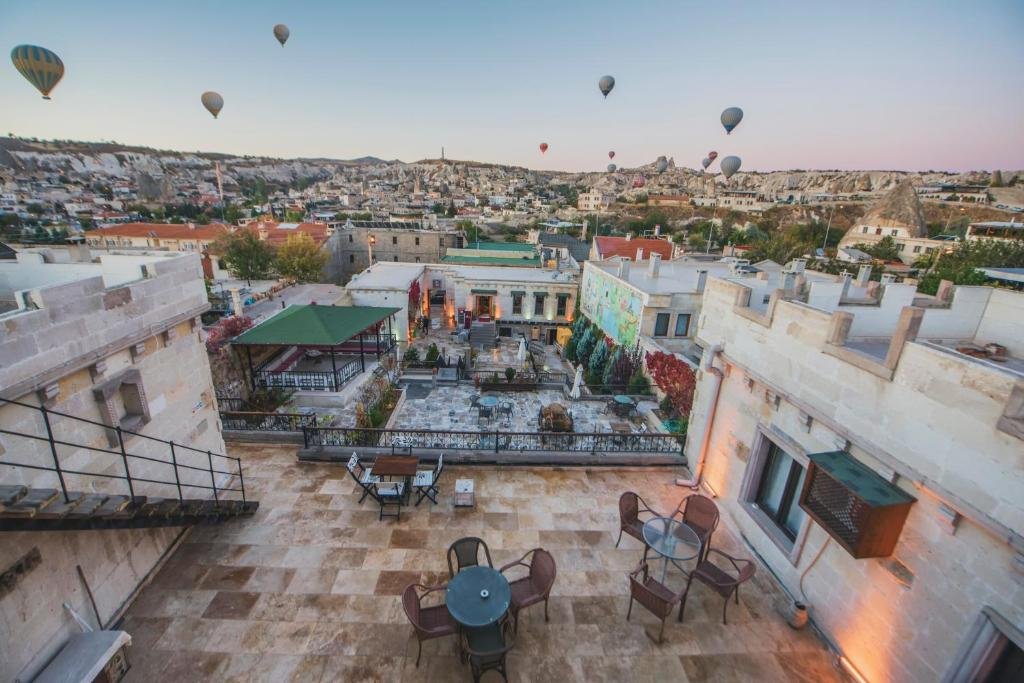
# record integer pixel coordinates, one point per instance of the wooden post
(334, 369)
(362, 363)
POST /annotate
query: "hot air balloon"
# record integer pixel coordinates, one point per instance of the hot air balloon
(213, 102)
(661, 165)
(611, 155)
(729, 165)
(39, 66)
(611, 168)
(731, 118)
(543, 147)
(606, 84)
(712, 155)
(281, 32)
(639, 181)
(705, 162)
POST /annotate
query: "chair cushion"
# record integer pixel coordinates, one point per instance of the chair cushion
(423, 478)
(390, 490)
(369, 477)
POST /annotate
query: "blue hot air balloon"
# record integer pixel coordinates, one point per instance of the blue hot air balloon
(731, 118)
(39, 66)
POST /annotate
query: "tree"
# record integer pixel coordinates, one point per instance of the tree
(293, 216)
(960, 265)
(884, 249)
(36, 209)
(245, 254)
(596, 362)
(674, 377)
(586, 344)
(300, 258)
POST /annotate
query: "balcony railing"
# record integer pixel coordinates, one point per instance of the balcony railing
(307, 380)
(266, 422)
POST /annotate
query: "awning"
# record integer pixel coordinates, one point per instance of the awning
(483, 291)
(518, 293)
(314, 325)
(540, 295)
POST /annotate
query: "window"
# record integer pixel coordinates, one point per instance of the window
(682, 324)
(917, 249)
(901, 246)
(395, 258)
(779, 490)
(562, 300)
(878, 231)
(417, 241)
(992, 652)
(394, 240)
(661, 325)
(864, 230)
(517, 304)
(538, 304)
(929, 250)
(350, 238)
(417, 259)
(351, 258)
(894, 232)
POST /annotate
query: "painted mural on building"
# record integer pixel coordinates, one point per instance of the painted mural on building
(615, 307)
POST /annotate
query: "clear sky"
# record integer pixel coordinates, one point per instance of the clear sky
(872, 84)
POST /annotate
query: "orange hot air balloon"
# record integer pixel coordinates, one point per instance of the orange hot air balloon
(543, 147)
(611, 155)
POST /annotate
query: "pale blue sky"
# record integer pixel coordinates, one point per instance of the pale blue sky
(871, 84)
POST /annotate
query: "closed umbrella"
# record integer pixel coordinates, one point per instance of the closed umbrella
(521, 353)
(577, 383)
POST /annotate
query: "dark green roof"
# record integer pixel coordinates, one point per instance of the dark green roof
(493, 260)
(315, 325)
(859, 478)
(499, 246)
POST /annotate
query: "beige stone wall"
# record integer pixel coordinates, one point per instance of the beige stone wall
(899, 618)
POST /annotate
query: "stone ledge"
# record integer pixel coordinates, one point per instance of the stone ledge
(340, 455)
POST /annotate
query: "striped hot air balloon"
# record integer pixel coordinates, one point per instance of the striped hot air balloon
(39, 66)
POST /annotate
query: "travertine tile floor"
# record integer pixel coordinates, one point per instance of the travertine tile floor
(309, 588)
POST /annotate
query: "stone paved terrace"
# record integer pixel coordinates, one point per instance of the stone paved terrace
(309, 589)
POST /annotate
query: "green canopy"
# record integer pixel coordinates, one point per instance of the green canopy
(315, 325)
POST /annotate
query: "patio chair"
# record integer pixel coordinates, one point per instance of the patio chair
(720, 580)
(467, 554)
(484, 412)
(535, 587)
(427, 622)
(653, 595)
(486, 648)
(474, 400)
(630, 507)
(389, 494)
(425, 481)
(700, 514)
(363, 476)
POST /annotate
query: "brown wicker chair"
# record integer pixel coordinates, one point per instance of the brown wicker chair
(486, 648)
(467, 554)
(655, 596)
(428, 622)
(700, 514)
(720, 580)
(630, 507)
(535, 587)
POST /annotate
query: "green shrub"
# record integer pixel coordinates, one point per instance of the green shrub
(432, 353)
(666, 406)
(510, 374)
(412, 354)
(639, 384)
(494, 379)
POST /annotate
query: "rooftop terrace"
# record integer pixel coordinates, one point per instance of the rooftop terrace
(309, 589)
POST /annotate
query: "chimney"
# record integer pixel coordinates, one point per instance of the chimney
(640, 254)
(657, 230)
(623, 272)
(863, 275)
(888, 278)
(191, 226)
(798, 265)
(702, 280)
(654, 266)
(788, 282)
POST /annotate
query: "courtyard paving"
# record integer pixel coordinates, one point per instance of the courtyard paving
(309, 588)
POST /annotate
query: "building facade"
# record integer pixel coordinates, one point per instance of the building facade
(349, 248)
(842, 414)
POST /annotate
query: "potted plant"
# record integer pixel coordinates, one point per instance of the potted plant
(510, 374)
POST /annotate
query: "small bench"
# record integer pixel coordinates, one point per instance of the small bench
(464, 493)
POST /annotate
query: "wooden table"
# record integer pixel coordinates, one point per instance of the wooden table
(621, 427)
(397, 466)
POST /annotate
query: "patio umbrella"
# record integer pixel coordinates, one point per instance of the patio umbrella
(521, 353)
(577, 383)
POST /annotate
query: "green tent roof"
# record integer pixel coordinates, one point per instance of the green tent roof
(499, 246)
(314, 325)
(492, 260)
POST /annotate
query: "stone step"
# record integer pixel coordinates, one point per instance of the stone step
(29, 504)
(11, 494)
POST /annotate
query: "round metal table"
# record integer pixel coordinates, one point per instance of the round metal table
(622, 399)
(488, 401)
(671, 539)
(478, 596)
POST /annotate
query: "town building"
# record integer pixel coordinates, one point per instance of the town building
(952, 192)
(635, 248)
(897, 215)
(112, 352)
(866, 441)
(1007, 231)
(350, 246)
(515, 254)
(593, 200)
(677, 200)
(188, 237)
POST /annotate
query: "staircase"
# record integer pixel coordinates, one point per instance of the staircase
(483, 335)
(30, 509)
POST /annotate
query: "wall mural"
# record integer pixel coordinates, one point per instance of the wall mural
(615, 307)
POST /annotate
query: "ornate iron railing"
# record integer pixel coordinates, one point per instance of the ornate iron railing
(307, 380)
(266, 422)
(571, 442)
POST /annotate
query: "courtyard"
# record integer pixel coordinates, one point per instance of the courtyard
(309, 588)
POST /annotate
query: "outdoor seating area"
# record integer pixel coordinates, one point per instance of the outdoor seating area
(312, 587)
(391, 479)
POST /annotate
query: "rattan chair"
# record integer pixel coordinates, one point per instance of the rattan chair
(720, 580)
(653, 595)
(630, 507)
(428, 622)
(700, 514)
(486, 648)
(467, 554)
(535, 587)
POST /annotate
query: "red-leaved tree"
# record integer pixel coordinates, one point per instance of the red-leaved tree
(675, 377)
(225, 330)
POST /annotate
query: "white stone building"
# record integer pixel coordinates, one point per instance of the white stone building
(898, 216)
(912, 401)
(117, 343)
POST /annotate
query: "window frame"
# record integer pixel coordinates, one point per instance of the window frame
(517, 304)
(764, 438)
(538, 304)
(686, 332)
(561, 305)
(667, 317)
(988, 636)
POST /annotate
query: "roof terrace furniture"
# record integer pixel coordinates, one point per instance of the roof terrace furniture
(674, 541)
(478, 597)
(720, 580)
(700, 514)
(656, 597)
(487, 647)
(630, 507)
(363, 476)
(390, 467)
(390, 495)
(535, 587)
(467, 554)
(427, 622)
(425, 481)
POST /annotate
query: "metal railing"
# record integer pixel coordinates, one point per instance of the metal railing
(571, 442)
(239, 420)
(307, 380)
(182, 472)
(496, 378)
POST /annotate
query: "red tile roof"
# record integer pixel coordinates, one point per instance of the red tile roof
(176, 231)
(624, 246)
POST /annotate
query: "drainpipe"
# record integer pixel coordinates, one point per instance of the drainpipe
(707, 366)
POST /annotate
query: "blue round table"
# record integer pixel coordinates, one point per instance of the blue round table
(622, 399)
(488, 401)
(469, 606)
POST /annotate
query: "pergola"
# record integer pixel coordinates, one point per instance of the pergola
(307, 334)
